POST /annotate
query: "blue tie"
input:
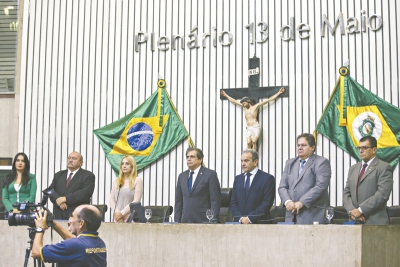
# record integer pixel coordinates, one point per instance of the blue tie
(247, 184)
(302, 163)
(190, 181)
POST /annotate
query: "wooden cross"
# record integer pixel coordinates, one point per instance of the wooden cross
(254, 91)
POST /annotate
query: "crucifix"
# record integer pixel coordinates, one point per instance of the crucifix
(249, 100)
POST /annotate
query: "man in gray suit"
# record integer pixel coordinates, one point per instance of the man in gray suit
(369, 184)
(197, 190)
(304, 183)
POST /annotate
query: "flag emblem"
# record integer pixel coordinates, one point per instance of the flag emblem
(147, 133)
(367, 125)
(354, 112)
(140, 136)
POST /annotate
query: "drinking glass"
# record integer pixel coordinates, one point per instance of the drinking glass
(210, 215)
(147, 214)
(329, 214)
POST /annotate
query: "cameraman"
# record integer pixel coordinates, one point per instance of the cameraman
(81, 246)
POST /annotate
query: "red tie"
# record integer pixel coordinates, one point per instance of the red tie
(69, 179)
(360, 176)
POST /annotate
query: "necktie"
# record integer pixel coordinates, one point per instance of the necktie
(360, 176)
(247, 184)
(302, 163)
(190, 181)
(69, 179)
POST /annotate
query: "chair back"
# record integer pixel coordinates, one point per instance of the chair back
(160, 214)
(103, 209)
(3, 212)
(225, 214)
(394, 214)
(340, 215)
(278, 213)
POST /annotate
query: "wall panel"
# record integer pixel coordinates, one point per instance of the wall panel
(80, 71)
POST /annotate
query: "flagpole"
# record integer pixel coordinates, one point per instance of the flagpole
(161, 84)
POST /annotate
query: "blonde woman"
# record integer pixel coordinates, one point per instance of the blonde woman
(129, 187)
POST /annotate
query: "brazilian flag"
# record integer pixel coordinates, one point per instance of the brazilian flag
(353, 112)
(147, 133)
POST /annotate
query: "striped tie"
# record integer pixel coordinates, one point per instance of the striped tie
(69, 179)
(302, 163)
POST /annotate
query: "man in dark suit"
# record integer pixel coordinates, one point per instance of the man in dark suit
(253, 192)
(369, 184)
(304, 183)
(72, 187)
(197, 190)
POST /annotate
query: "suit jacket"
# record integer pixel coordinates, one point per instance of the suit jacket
(206, 194)
(373, 191)
(257, 204)
(78, 192)
(311, 188)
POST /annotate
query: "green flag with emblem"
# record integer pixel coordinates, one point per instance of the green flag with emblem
(147, 133)
(353, 112)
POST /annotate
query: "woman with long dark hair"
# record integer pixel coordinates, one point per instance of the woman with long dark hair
(19, 185)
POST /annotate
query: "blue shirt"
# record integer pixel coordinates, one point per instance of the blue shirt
(86, 250)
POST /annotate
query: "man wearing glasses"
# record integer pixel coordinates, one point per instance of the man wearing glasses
(369, 184)
(81, 246)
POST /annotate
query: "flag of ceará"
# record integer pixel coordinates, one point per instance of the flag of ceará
(147, 133)
(353, 112)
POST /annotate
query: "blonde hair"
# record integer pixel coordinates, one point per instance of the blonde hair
(132, 176)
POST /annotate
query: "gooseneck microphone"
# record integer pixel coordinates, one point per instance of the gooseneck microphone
(331, 208)
(255, 215)
(338, 211)
(119, 190)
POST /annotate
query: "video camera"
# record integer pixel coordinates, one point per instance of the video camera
(28, 212)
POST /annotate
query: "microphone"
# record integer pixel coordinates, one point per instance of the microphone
(240, 216)
(341, 212)
(119, 190)
(160, 219)
(130, 219)
(274, 219)
(263, 221)
(294, 220)
(331, 208)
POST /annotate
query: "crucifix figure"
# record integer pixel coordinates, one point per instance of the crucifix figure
(253, 128)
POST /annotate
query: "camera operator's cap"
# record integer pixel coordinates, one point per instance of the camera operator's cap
(247, 99)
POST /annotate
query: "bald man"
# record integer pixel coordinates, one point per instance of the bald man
(81, 246)
(72, 187)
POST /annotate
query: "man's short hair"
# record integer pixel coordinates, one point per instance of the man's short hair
(309, 137)
(254, 154)
(199, 153)
(92, 219)
(372, 140)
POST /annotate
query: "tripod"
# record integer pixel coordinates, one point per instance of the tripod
(32, 232)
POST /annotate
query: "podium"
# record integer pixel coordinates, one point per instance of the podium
(230, 245)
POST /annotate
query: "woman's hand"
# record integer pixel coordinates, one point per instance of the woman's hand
(118, 216)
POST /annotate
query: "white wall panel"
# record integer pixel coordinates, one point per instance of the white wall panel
(80, 71)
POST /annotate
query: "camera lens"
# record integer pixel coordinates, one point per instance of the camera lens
(16, 219)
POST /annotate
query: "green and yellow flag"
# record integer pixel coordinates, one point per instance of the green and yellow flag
(147, 133)
(353, 112)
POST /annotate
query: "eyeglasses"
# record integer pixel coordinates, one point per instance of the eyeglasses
(363, 148)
